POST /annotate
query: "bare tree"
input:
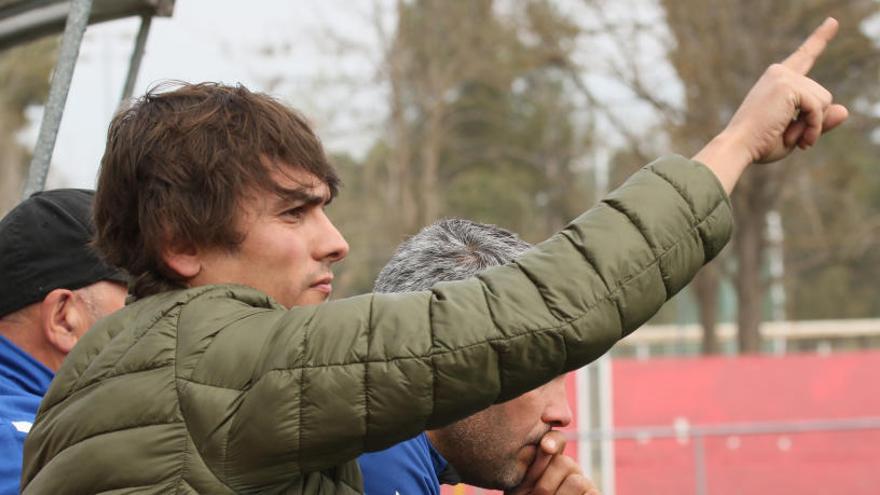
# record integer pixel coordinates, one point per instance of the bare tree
(717, 49)
(439, 61)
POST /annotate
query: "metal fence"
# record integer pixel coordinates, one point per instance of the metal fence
(696, 436)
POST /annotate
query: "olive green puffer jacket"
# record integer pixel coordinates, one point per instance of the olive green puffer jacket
(220, 390)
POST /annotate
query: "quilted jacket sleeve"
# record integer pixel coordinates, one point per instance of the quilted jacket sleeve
(278, 393)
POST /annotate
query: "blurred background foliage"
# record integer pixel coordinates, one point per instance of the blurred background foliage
(24, 82)
(493, 116)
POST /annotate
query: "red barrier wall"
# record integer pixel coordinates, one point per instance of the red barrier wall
(712, 391)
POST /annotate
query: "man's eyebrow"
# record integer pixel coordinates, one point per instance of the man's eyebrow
(301, 196)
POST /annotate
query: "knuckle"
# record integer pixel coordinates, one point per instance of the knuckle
(777, 70)
(569, 463)
(581, 482)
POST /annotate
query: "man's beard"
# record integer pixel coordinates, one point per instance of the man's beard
(481, 456)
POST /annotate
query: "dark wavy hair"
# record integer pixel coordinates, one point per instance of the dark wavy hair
(177, 165)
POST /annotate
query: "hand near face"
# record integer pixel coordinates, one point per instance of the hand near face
(553, 472)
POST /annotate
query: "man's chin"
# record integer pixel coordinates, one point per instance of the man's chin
(520, 466)
(312, 298)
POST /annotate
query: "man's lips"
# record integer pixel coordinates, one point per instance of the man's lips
(324, 285)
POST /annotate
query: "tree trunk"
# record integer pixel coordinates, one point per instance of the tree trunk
(706, 287)
(430, 184)
(752, 200)
(12, 169)
(400, 189)
(400, 193)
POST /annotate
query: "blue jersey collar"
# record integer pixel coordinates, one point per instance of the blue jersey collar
(20, 370)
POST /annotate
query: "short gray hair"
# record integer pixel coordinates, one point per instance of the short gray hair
(452, 249)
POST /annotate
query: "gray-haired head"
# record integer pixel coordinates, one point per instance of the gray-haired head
(452, 249)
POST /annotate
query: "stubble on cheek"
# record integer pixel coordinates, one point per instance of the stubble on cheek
(516, 461)
(523, 458)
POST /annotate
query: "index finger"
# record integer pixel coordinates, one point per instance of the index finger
(802, 60)
(536, 469)
(551, 444)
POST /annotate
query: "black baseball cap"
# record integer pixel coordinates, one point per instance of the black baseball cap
(45, 244)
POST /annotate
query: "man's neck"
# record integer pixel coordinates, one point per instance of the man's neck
(449, 476)
(432, 438)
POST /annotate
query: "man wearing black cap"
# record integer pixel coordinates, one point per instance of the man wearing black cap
(53, 287)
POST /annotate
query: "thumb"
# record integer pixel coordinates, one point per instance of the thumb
(551, 444)
(834, 116)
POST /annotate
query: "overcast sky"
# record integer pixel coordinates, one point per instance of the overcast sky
(214, 40)
(292, 49)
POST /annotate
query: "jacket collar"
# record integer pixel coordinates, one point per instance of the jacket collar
(21, 371)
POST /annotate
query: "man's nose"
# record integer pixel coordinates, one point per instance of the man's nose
(333, 246)
(557, 412)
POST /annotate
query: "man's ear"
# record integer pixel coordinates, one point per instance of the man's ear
(62, 320)
(183, 259)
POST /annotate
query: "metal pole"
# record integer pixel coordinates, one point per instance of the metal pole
(684, 430)
(606, 421)
(137, 55)
(775, 253)
(77, 21)
(583, 403)
(700, 463)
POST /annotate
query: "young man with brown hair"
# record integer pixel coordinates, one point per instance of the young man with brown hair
(213, 198)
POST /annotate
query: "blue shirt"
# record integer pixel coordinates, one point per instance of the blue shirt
(23, 383)
(412, 467)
